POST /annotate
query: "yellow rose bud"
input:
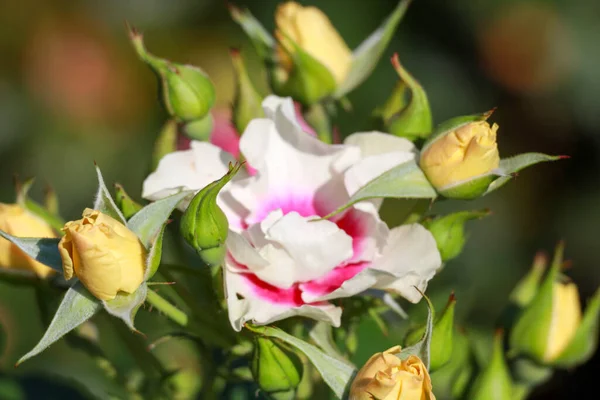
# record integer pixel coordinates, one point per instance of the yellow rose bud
(103, 253)
(387, 377)
(312, 31)
(566, 317)
(17, 221)
(467, 152)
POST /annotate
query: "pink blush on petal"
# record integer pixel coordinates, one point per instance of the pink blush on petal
(333, 280)
(289, 297)
(352, 224)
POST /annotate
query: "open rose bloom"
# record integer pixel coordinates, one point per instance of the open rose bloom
(282, 259)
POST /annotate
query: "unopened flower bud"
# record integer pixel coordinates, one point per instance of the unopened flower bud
(204, 225)
(18, 221)
(188, 93)
(275, 369)
(386, 377)
(449, 231)
(459, 160)
(441, 336)
(313, 32)
(551, 329)
(494, 381)
(103, 253)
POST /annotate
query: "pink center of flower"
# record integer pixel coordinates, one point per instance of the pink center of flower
(352, 222)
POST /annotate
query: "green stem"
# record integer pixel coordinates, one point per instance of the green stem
(174, 313)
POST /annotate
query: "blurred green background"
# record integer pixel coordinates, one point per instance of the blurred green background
(72, 92)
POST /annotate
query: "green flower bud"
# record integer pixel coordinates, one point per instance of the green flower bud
(166, 142)
(276, 370)
(409, 119)
(204, 225)
(188, 93)
(449, 231)
(247, 103)
(452, 379)
(200, 129)
(126, 204)
(441, 336)
(494, 381)
(551, 329)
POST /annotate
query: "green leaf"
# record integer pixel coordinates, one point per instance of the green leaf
(104, 201)
(77, 306)
(148, 222)
(126, 305)
(335, 373)
(422, 348)
(403, 181)
(44, 250)
(366, 56)
(512, 165)
(261, 39)
(323, 337)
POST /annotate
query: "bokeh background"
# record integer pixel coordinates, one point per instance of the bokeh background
(72, 92)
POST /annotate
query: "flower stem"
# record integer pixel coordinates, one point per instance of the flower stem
(174, 313)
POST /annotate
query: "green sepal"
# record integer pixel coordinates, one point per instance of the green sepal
(44, 250)
(204, 225)
(441, 336)
(452, 380)
(412, 120)
(49, 216)
(308, 81)
(585, 342)
(449, 231)
(336, 374)
(510, 166)
(247, 102)
(494, 381)
(188, 93)
(262, 40)
(529, 336)
(126, 305)
(77, 306)
(51, 201)
(402, 181)
(126, 204)
(366, 56)
(422, 348)
(165, 143)
(526, 289)
(104, 201)
(200, 129)
(149, 221)
(275, 368)
(469, 189)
